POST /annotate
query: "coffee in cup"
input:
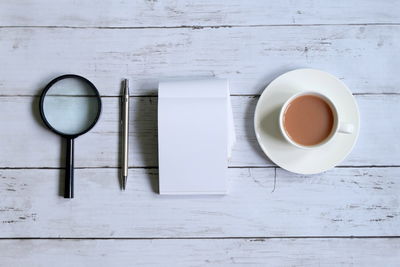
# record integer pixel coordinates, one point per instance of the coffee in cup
(310, 119)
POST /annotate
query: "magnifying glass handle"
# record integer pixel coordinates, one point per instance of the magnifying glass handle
(69, 170)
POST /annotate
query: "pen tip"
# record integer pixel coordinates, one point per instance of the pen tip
(124, 182)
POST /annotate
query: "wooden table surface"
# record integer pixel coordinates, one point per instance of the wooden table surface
(347, 216)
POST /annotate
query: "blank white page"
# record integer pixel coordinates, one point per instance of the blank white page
(192, 137)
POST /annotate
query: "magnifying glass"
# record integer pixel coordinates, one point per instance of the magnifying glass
(70, 105)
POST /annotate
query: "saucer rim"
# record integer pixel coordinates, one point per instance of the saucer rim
(264, 149)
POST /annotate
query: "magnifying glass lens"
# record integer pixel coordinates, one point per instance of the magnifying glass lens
(71, 106)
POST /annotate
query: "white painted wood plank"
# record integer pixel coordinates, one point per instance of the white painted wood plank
(25, 142)
(340, 202)
(226, 252)
(250, 57)
(108, 13)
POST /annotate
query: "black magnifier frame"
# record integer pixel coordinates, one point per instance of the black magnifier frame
(69, 166)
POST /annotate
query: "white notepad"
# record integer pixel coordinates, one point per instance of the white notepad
(195, 136)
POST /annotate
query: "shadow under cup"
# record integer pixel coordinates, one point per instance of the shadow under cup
(309, 120)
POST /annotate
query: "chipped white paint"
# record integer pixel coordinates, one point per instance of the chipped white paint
(237, 252)
(23, 132)
(340, 202)
(250, 57)
(172, 13)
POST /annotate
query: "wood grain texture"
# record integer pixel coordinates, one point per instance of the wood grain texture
(227, 252)
(248, 42)
(260, 203)
(250, 57)
(172, 13)
(25, 142)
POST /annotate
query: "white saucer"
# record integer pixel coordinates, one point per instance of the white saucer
(273, 143)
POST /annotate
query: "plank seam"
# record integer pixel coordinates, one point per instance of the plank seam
(234, 95)
(255, 238)
(198, 27)
(230, 167)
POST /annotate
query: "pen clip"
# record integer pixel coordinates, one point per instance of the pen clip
(124, 99)
(121, 106)
(121, 110)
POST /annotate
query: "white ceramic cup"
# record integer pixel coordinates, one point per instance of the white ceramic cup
(338, 125)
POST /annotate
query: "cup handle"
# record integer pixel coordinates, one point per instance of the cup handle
(346, 128)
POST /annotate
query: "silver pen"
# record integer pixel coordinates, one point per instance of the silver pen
(125, 132)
